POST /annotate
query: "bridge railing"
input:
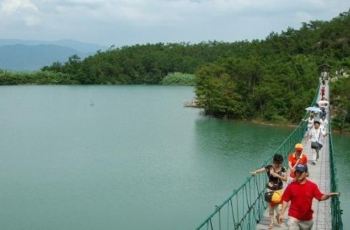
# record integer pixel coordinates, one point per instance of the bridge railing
(337, 222)
(336, 211)
(245, 207)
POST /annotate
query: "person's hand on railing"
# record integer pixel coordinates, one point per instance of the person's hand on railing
(334, 194)
(253, 173)
(328, 195)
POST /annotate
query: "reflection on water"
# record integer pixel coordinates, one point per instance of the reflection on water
(229, 149)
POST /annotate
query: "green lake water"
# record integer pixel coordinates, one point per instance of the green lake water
(123, 157)
(342, 160)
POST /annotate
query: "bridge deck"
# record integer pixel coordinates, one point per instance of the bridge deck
(320, 174)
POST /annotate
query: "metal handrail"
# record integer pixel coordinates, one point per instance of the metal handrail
(336, 211)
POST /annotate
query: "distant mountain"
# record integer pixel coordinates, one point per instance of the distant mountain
(33, 57)
(22, 55)
(83, 47)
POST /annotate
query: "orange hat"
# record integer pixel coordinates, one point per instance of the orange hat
(299, 146)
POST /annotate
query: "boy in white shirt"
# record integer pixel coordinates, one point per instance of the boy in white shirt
(316, 135)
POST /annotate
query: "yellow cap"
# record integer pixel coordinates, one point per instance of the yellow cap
(276, 197)
(299, 146)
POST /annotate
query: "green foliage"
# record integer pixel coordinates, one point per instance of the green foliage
(217, 92)
(271, 89)
(146, 64)
(179, 79)
(341, 103)
(39, 78)
(276, 78)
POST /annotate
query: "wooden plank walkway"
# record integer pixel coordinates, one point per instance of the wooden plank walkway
(320, 174)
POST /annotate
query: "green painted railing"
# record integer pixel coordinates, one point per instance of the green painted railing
(336, 211)
(245, 207)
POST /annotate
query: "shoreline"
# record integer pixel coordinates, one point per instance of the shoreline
(271, 123)
(290, 125)
(282, 124)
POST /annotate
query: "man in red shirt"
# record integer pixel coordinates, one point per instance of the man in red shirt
(295, 158)
(301, 193)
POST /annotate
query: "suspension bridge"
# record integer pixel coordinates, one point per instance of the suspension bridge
(246, 208)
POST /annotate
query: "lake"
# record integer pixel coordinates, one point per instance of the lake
(123, 157)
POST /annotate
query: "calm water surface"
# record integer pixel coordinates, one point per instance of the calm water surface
(342, 160)
(122, 157)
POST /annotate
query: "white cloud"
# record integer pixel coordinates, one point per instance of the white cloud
(140, 21)
(12, 6)
(31, 20)
(19, 11)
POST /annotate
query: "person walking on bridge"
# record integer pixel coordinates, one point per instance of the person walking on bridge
(316, 135)
(310, 122)
(295, 158)
(276, 174)
(300, 194)
(323, 91)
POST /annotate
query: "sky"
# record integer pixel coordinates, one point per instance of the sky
(128, 22)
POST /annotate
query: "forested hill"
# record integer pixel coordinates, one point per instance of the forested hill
(270, 79)
(317, 41)
(278, 79)
(147, 64)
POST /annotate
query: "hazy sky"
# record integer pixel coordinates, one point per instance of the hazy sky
(126, 22)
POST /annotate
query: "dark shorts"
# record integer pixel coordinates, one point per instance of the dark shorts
(316, 145)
